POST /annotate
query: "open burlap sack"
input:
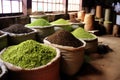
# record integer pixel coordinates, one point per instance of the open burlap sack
(4, 71)
(42, 32)
(3, 40)
(50, 71)
(14, 39)
(72, 58)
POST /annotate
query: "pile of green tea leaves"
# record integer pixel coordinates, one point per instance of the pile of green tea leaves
(28, 54)
(64, 24)
(39, 22)
(60, 21)
(81, 33)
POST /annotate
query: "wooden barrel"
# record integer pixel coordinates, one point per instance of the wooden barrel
(98, 11)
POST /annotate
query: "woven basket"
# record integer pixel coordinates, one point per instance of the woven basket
(89, 22)
(14, 39)
(81, 15)
(50, 71)
(3, 40)
(72, 58)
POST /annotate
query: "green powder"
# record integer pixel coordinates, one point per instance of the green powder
(60, 22)
(81, 33)
(68, 28)
(29, 54)
(66, 25)
(39, 22)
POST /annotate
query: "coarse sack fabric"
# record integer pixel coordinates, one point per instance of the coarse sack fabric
(50, 71)
(14, 39)
(72, 58)
(3, 40)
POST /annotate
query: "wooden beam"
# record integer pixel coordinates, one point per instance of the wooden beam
(66, 6)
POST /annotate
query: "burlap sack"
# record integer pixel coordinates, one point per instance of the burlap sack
(4, 71)
(50, 71)
(72, 58)
(3, 40)
(91, 45)
(14, 39)
(43, 32)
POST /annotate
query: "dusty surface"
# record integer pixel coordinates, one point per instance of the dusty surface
(106, 67)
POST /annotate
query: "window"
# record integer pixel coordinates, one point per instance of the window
(10, 6)
(47, 5)
(73, 5)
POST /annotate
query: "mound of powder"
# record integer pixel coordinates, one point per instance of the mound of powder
(65, 38)
(17, 29)
(29, 54)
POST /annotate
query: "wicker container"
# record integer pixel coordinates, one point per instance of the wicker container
(72, 58)
(3, 40)
(81, 15)
(89, 22)
(72, 17)
(14, 39)
(50, 71)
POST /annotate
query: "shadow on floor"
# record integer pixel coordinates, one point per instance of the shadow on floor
(85, 70)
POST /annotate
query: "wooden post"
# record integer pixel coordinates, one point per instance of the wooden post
(27, 7)
(66, 6)
(81, 4)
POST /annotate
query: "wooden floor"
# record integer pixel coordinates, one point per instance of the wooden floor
(102, 66)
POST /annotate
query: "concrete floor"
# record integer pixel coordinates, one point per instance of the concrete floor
(102, 66)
